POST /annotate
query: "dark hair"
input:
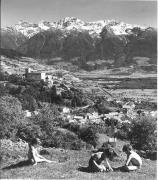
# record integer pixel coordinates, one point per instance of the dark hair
(108, 151)
(127, 147)
(34, 141)
(106, 145)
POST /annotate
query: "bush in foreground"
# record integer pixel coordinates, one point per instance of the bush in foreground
(29, 131)
(63, 138)
(143, 133)
(11, 115)
(89, 135)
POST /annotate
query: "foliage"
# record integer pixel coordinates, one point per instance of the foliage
(11, 116)
(47, 118)
(78, 98)
(28, 102)
(55, 98)
(28, 131)
(88, 134)
(3, 90)
(14, 78)
(143, 133)
(124, 131)
(104, 107)
(3, 75)
(63, 138)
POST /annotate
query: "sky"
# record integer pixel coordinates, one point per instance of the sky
(130, 11)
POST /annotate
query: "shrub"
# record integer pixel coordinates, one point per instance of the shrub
(143, 133)
(3, 76)
(104, 107)
(3, 90)
(78, 99)
(11, 116)
(124, 131)
(14, 78)
(62, 138)
(28, 102)
(74, 127)
(88, 134)
(28, 131)
(47, 120)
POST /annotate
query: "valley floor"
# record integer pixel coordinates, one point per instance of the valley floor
(145, 94)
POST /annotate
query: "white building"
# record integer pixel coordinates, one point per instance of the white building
(37, 76)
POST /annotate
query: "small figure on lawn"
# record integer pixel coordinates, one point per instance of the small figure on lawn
(97, 158)
(33, 156)
(133, 161)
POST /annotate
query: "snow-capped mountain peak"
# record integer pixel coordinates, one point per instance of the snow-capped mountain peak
(44, 25)
(72, 23)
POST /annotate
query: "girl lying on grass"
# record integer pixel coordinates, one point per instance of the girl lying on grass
(134, 161)
(33, 156)
(97, 158)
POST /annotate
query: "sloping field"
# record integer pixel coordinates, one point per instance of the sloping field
(68, 163)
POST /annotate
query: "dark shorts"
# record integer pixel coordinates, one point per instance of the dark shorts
(92, 166)
(134, 162)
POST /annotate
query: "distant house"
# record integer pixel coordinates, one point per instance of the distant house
(66, 110)
(129, 105)
(37, 76)
(27, 113)
(3, 83)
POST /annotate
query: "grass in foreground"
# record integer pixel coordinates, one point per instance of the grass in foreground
(67, 166)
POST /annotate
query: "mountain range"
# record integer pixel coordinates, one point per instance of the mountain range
(72, 23)
(71, 38)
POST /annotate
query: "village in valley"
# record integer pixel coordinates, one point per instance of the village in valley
(123, 114)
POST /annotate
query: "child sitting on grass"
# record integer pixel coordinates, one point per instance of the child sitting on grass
(33, 156)
(97, 158)
(134, 161)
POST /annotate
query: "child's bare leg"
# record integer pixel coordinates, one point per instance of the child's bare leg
(130, 168)
(42, 159)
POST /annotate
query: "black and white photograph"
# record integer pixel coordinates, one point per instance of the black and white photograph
(78, 89)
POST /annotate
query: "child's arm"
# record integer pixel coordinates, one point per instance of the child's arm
(109, 165)
(96, 164)
(128, 160)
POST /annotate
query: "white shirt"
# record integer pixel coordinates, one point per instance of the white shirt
(134, 155)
